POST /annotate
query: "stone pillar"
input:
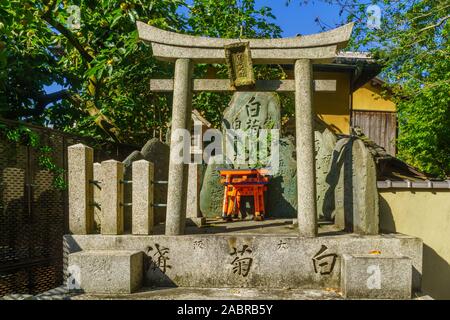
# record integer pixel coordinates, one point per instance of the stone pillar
(364, 192)
(193, 212)
(306, 180)
(112, 197)
(178, 172)
(97, 186)
(142, 217)
(80, 174)
(193, 195)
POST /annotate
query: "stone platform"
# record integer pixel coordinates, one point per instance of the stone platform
(217, 294)
(252, 255)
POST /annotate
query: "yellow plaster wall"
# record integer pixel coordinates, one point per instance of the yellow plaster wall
(424, 214)
(334, 107)
(368, 97)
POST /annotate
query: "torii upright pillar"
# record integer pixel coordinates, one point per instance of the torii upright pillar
(304, 132)
(178, 172)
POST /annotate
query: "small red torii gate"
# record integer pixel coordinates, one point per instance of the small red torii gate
(240, 183)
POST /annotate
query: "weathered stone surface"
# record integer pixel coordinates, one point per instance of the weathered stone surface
(239, 62)
(170, 46)
(334, 197)
(353, 191)
(196, 221)
(329, 168)
(243, 260)
(201, 294)
(157, 153)
(365, 192)
(345, 179)
(282, 189)
(97, 189)
(376, 276)
(127, 197)
(282, 195)
(178, 172)
(350, 194)
(142, 218)
(81, 193)
(152, 34)
(134, 156)
(112, 197)
(325, 141)
(211, 192)
(252, 110)
(107, 271)
(223, 85)
(193, 192)
(304, 135)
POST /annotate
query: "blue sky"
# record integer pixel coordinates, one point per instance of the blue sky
(295, 18)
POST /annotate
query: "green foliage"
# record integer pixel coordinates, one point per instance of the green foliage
(413, 46)
(25, 136)
(228, 19)
(102, 67)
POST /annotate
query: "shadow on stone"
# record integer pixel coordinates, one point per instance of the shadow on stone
(155, 270)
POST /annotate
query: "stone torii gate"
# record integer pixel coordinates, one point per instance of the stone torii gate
(303, 51)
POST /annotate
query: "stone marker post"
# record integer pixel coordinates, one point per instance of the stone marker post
(80, 175)
(306, 180)
(142, 217)
(193, 195)
(193, 212)
(112, 197)
(178, 172)
(364, 190)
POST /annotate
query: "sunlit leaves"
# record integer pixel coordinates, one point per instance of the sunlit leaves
(413, 46)
(103, 62)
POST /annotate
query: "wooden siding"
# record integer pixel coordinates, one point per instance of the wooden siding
(379, 126)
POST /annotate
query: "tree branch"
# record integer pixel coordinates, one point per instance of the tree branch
(41, 102)
(436, 25)
(429, 13)
(68, 34)
(106, 124)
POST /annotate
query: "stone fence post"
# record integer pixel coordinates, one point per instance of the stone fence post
(97, 186)
(80, 160)
(112, 197)
(142, 216)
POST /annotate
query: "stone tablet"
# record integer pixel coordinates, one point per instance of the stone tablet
(255, 111)
(252, 110)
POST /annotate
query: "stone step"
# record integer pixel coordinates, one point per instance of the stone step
(376, 276)
(105, 271)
